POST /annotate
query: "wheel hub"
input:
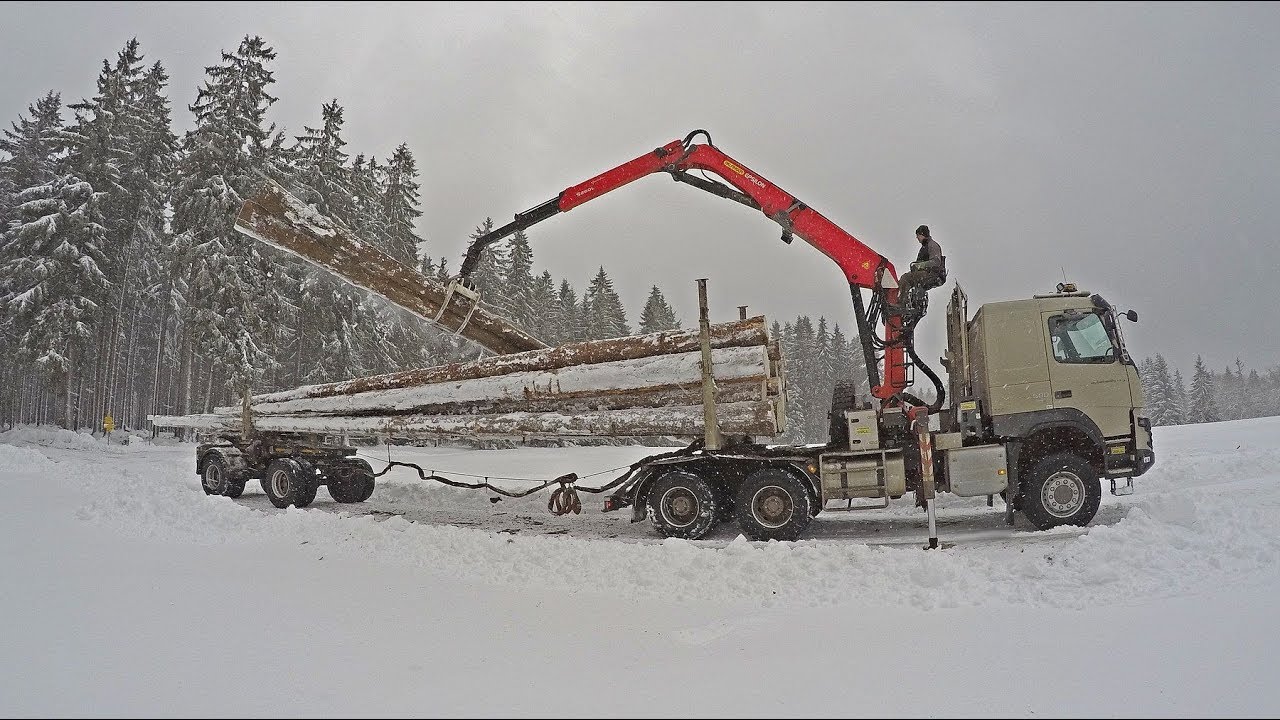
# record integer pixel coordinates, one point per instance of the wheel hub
(280, 483)
(679, 507)
(1063, 493)
(213, 477)
(772, 506)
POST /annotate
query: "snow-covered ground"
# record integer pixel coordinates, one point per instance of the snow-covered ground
(127, 591)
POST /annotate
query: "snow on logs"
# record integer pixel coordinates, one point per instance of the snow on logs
(629, 386)
(275, 217)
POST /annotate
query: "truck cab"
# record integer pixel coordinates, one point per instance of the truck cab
(1048, 375)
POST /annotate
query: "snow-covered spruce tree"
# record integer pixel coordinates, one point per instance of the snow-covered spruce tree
(51, 258)
(489, 273)
(231, 293)
(544, 300)
(387, 201)
(33, 146)
(795, 365)
(1178, 408)
(1203, 406)
(1255, 394)
(657, 314)
(604, 314)
(1229, 399)
(1273, 391)
(147, 178)
(517, 297)
(319, 165)
(400, 205)
(822, 383)
(368, 220)
(1244, 400)
(566, 316)
(849, 366)
(1160, 399)
(336, 330)
(122, 143)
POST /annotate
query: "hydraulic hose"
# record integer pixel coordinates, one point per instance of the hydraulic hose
(936, 406)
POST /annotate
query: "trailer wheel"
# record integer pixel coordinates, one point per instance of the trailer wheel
(773, 505)
(682, 505)
(1061, 489)
(215, 478)
(235, 489)
(351, 482)
(281, 482)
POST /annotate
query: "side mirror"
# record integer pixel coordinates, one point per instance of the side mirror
(1132, 315)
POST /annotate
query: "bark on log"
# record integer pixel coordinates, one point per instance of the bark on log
(749, 418)
(742, 333)
(580, 381)
(278, 219)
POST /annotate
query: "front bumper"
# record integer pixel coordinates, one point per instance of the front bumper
(1146, 458)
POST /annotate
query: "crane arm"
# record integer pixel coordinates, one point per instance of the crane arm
(860, 263)
(863, 267)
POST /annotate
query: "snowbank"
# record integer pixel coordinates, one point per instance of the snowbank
(446, 600)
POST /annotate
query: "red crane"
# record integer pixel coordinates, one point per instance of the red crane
(863, 267)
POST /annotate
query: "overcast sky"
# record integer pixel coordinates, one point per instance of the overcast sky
(1132, 147)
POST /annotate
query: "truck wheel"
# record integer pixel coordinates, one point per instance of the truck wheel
(682, 505)
(773, 505)
(352, 482)
(307, 484)
(235, 489)
(215, 478)
(1061, 489)
(281, 481)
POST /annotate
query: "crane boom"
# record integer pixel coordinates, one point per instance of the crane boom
(863, 267)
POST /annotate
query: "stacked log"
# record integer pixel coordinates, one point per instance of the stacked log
(633, 386)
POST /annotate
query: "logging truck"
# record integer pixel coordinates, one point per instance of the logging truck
(1045, 399)
(1046, 403)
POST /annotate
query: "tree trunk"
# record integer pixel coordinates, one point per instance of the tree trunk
(739, 418)
(274, 217)
(155, 382)
(743, 333)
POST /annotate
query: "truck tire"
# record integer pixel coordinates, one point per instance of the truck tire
(682, 505)
(216, 475)
(843, 397)
(351, 482)
(1061, 489)
(281, 482)
(308, 484)
(773, 504)
(235, 489)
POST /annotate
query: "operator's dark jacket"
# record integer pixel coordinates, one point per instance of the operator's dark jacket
(931, 252)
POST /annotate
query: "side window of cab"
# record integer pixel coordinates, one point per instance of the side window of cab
(1080, 338)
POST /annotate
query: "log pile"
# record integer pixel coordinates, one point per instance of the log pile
(632, 386)
(643, 385)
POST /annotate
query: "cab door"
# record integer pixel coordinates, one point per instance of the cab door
(1085, 371)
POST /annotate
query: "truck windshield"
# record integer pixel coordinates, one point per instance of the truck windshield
(1081, 339)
